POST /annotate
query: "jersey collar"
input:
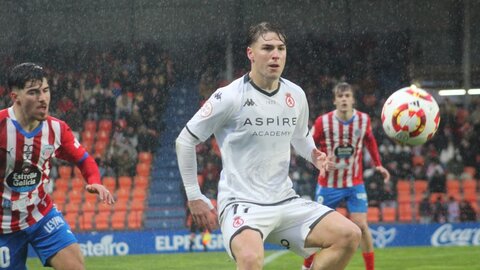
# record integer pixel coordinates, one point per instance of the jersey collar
(247, 79)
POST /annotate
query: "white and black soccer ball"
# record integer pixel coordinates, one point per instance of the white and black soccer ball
(410, 116)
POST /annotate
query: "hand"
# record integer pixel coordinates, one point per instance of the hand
(384, 173)
(322, 161)
(103, 193)
(202, 215)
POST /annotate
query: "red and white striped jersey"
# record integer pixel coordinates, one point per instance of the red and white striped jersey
(344, 140)
(25, 167)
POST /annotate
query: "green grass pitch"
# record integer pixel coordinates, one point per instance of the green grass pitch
(411, 258)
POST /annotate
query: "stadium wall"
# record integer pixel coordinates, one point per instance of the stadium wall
(384, 235)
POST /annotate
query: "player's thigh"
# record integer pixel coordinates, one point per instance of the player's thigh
(332, 228)
(68, 258)
(357, 200)
(246, 225)
(13, 251)
(246, 244)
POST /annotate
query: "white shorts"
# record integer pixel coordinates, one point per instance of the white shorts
(287, 224)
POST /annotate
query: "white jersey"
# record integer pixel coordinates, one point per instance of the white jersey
(254, 130)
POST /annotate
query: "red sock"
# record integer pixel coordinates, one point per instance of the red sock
(369, 260)
(308, 261)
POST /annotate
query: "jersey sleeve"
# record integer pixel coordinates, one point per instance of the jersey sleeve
(302, 140)
(371, 144)
(318, 135)
(212, 114)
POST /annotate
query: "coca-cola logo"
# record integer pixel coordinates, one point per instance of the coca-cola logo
(447, 235)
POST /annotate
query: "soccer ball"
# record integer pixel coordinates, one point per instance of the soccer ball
(410, 116)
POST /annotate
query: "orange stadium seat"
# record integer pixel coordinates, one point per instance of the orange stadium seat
(59, 196)
(87, 136)
(75, 196)
(101, 221)
(65, 171)
(405, 212)
(105, 125)
(85, 221)
(77, 183)
(137, 205)
(134, 219)
(125, 182)
(71, 209)
(77, 173)
(72, 221)
(470, 171)
(420, 187)
(418, 160)
(123, 194)
(389, 214)
(90, 125)
(403, 186)
(469, 185)
(118, 220)
(139, 194)
(62, 184)
(88, 207)
(143, 169)
(120, 206)
(104, 208)
(404, 198)
(145, 157)
(90, 198)
(140, 182)
(453, 187)
(100, 148)
(373, 214)
(103, 136)
(110, 183)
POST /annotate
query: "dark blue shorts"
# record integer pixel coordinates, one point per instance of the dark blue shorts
(47, 237)
(355, 197)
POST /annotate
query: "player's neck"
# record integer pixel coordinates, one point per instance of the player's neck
(345, 115)
(27, 124)
(266, 84)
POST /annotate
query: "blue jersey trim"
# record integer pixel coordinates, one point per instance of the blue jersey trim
(83, 158)
(27, 134)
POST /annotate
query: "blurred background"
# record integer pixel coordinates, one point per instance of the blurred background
(127, 75)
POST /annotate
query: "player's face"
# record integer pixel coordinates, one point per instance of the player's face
(344, 101)
(33, 100)
(268, 55)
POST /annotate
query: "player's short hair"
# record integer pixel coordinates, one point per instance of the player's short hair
(342, 87)
(22, 73)
(261, 29)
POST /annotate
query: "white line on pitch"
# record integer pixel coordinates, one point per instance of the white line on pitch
(273, 257)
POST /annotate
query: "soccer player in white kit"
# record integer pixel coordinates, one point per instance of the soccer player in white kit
(255, 119)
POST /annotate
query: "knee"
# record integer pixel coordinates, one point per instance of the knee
(351, 236)
(249, 259)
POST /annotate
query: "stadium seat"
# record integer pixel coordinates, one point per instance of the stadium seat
(85, 221)
(139, 194)
(140, 182)
(65, 171)
(136, 205)
(143, 169)
(71, 209)
(77, 183)
(120, 206)
(403, 186)
(88, 146)
(102, 221)
(469, 185)
(103, 136)
(373, 214)
(90, 198)
(420, 187)
(60, 206)
(453, 188)
(75, 196)
(110, 183)
(122, 194)
(88, 207)
(59, 196)
(105, 125)
(90, 125)
(87, 136)
(418, 160)
(77, 173)
(470, 196)
(100, 148)
(134, 219)
(404, 198)
(145, 157)
(434, 196)
(62, 184)
(118, 220)
(104, 208)
(71, 219)
(125, 182)
(405, 213)
(389, 214)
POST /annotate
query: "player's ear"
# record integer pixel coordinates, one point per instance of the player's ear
(250, 54)
(13, 95)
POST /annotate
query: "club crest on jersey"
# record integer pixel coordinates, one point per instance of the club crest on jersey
(47, 151)
(24, 180)
(289, 100)
(27, 151)
(237, 222)
(206, 109)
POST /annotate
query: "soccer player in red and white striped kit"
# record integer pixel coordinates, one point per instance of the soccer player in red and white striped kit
(29, 139)
(343, 133)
